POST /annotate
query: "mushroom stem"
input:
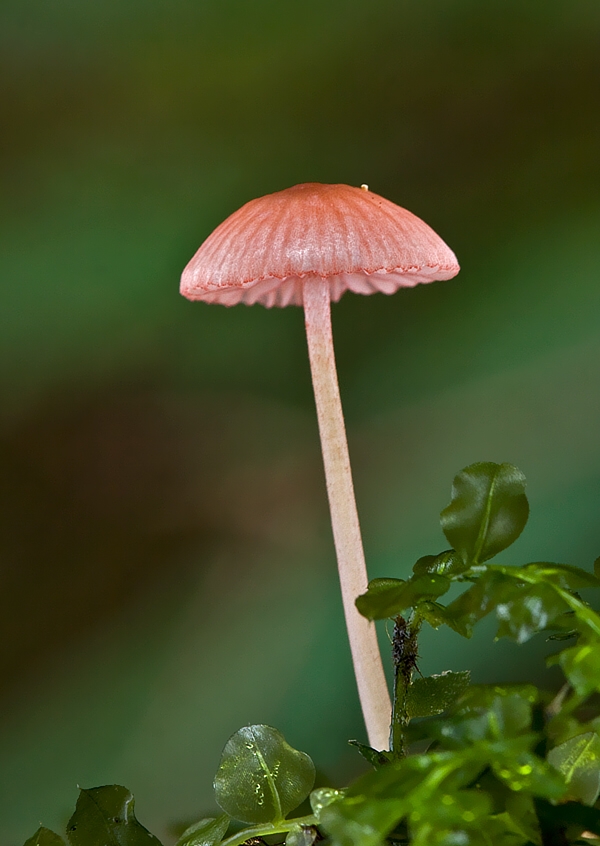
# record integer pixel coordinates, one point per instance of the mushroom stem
(372, 686)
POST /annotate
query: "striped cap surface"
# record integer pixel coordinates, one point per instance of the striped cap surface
(352, 237)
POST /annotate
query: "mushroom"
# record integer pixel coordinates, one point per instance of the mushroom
(306, 245)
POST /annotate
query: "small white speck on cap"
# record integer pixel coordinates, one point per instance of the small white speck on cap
(364, 187)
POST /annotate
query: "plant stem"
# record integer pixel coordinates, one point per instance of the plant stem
(268, 828)
(372, 687)
(404, 653)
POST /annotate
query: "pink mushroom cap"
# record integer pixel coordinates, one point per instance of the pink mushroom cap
(352, 237)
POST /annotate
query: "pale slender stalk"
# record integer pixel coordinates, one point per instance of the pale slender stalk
(372, 687)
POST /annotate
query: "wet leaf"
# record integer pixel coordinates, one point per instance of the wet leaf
(207, 832)
(391, 597)
(380, 800)
(506, 720)
(432, 695)
(510, 715)
(484, 696)
(563, 575)
(488, 510)
(502, 830)
(105, 815)
(447, 563)
(581, 665)
(460, 732)
(522, 608)
(491, 589)
(360, 823)
(45, 837)
(525, 772)
(520, 808)
(461, 811)
(531, 609)
(302, 835)
(322, 797)
(261, 778)
(436, 614)
(578, 759)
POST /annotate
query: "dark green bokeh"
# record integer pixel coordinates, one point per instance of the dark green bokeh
(166, 569)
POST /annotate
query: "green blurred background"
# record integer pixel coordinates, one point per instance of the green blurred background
(166, 566)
